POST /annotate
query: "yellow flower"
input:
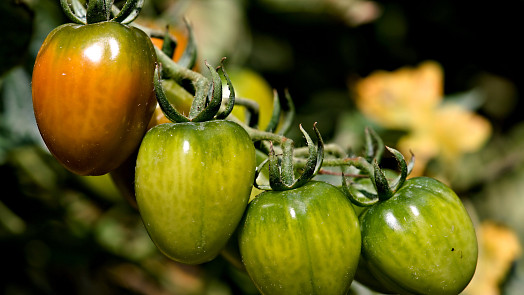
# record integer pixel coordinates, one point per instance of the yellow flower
(499, 247)
(411, 99)
(400, 99)
(447, 132)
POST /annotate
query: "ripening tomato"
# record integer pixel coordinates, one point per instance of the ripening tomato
(301, 241)
(420, 241)
(192, 185)
(93, 94)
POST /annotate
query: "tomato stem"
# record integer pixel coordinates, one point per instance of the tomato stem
(224, 113)
(129, 12)
(287, 169)
(275, 114)
(77, 13)
(281, 167)
(98, 11)
(189, 56)
(206, 107)
(101, 10)
(252, 113)
(169, 43)
(381, 183)
(374, 145)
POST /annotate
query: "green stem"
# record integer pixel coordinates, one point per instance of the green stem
(169, 43)
(202, 109)
(77, 14)
(329, 149)
(188, 58)
(275, 115)
(252, 110)
(230, 104)
(289, 114)
(129, 12)
(287, 167)
(174, 71)
(98, 11)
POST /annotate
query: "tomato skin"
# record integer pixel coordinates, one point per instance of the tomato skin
(301, 241)
(192, 184)
(93, 94)
(421, 241)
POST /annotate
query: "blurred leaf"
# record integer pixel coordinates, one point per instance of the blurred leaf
(353, 12)
(502, 195)
(102, 186)
(17, 118)
(220, 28)
(122, 233)
(494, 163)
(10, 221)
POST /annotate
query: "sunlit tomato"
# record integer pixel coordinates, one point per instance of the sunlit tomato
(93, 94)
(192, 184)
(301, 241)
(420, 241)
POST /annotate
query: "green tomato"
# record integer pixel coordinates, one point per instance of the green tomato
(420, 241)
(231, 252)
(192, 184)
(301, 241)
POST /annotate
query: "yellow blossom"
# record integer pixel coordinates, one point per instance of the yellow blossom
(448, 132)
(400, 99)
(411, 99)
(499, 247)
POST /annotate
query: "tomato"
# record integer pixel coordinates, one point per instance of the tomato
(251, 85)
(192, 184)
(420, 241)
(93, 94)
(231, 252)
(301, 241)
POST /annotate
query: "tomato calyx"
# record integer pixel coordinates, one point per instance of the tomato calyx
(282, 168)
(101, 10)
(169, 45)
(384, 189)
(208, 96)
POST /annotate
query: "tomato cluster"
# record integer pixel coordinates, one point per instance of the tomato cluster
(194, 177)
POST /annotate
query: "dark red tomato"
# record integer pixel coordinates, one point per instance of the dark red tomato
(93, 94)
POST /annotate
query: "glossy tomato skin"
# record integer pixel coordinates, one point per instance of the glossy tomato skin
(192, 184)
(421, 241)
(301, 241)
(93, 94)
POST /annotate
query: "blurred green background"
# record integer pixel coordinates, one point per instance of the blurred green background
(65, 234)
